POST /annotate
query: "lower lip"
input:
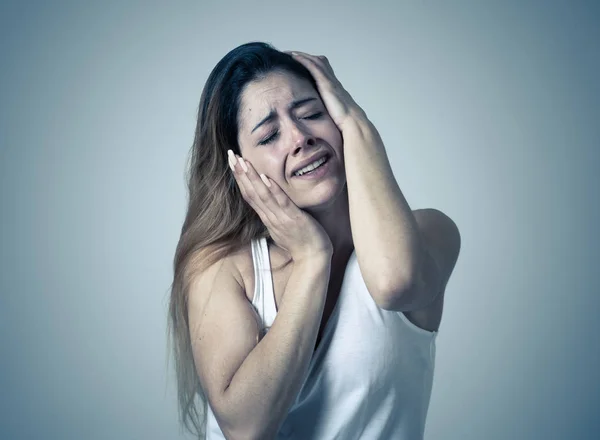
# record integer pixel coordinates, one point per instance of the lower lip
(316, 174)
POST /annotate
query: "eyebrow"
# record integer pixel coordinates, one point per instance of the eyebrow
(293, 105)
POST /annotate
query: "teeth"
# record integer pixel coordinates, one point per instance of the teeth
(310, 167)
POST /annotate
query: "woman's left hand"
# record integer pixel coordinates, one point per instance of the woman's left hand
(340, 105)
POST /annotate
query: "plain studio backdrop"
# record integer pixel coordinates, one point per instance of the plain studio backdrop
(488, 110)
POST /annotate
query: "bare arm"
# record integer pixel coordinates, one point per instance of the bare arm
(384, 229)
(252, 384)
(442, 241)
(388, 245)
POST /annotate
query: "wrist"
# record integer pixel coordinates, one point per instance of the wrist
(314, 259)
(356, 119)
(360, 128)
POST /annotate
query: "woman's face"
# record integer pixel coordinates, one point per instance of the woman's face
(279, 145)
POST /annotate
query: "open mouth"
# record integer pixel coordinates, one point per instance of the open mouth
(313, 168)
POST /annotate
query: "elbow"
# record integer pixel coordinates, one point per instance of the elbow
(398, 297)
(237, 423)
(246, 431)
(400, 285)
(414, 291)
(397, 287)
(244, 434)
(252, 435)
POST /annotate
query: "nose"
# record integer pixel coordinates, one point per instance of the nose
(301, 138)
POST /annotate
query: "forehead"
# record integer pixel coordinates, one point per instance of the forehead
(275, 91)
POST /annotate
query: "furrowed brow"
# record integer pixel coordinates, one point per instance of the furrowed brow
(292, 106)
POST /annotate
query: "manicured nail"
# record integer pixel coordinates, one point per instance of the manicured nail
(264, 179)
(231, 159)
(243, 164)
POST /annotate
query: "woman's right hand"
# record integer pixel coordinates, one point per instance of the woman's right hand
(292, 228)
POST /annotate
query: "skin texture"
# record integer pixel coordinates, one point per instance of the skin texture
(358, 204)
(295, 135)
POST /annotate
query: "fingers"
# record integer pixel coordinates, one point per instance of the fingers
(317, 59)
(261, 197)
(239, 171)
(318, 65)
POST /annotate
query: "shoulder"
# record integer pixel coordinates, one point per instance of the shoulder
(442, 239)
(242, 266)
(439, 231)
(216, 300)
(217, 290)
(202, 276)
(433, 217)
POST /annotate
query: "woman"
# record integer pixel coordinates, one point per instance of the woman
(338, 339)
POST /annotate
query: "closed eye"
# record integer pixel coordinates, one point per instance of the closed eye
(315, 116)
(274, 135)
(269, 139)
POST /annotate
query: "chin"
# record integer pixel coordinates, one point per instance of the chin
(320, 198)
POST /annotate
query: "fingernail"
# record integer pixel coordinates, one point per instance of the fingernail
(243, 164)
(231, 159)
(264, 179)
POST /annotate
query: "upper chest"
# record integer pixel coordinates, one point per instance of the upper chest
(281, 270)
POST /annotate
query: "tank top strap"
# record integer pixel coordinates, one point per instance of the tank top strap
(264, 293)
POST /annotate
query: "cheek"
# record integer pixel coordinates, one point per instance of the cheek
(272, 167)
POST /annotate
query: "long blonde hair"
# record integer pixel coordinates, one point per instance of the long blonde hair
(218, 220)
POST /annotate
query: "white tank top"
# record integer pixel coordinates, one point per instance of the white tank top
(371, 375)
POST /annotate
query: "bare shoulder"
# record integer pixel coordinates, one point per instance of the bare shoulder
(433, 220)
(442, 237)
(224, 328)
(281, 266)
(243, 267)
(202, 283)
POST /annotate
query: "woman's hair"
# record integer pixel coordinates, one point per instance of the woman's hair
(218, 220)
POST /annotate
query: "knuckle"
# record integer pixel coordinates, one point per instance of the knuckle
(263, 218)
(250, 193)
(273, 220)
(264, 197)
(250, 201)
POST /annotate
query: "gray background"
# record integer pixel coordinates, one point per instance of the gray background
(489, 112)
